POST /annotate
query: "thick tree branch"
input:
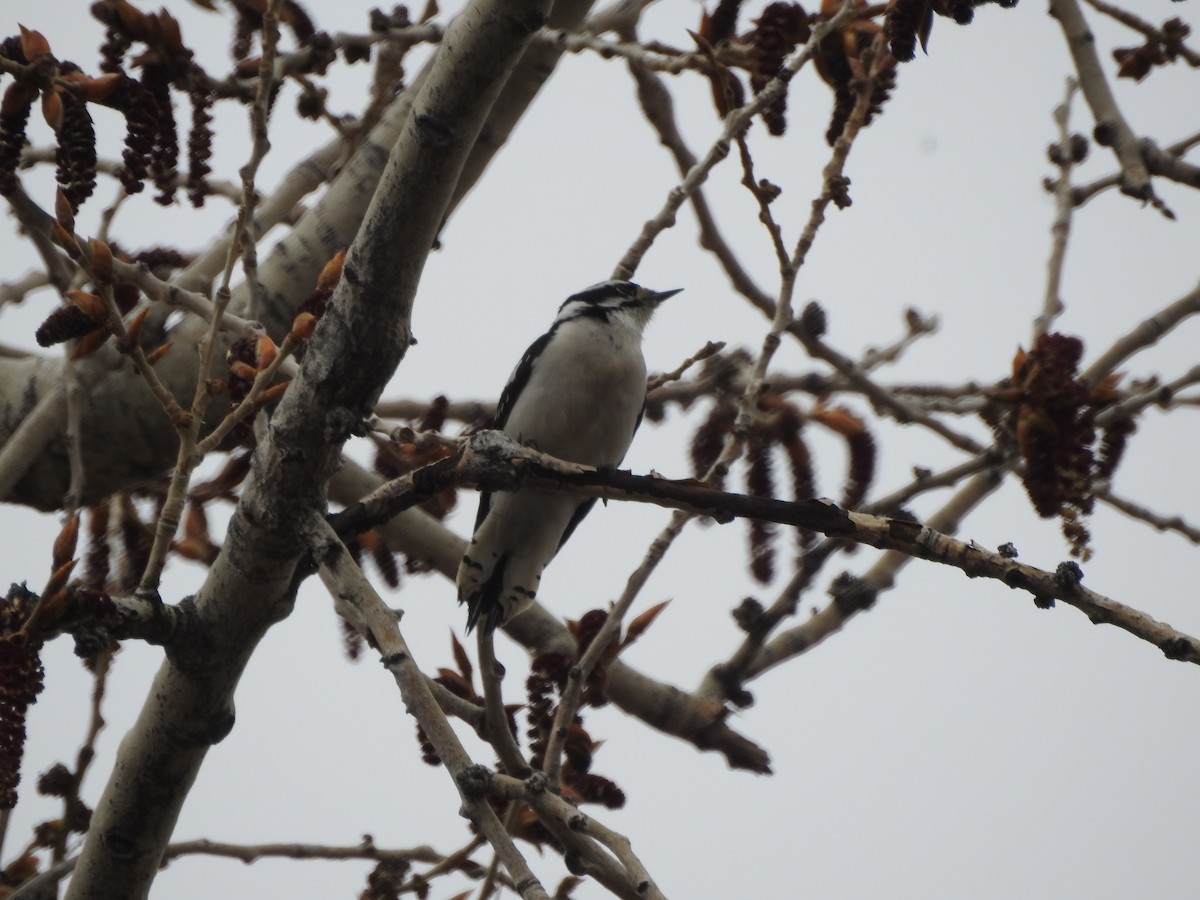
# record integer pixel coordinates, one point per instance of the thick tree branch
(495, 462)
(699, 721)
(357, 346)
(358, 602)
(1112, 129)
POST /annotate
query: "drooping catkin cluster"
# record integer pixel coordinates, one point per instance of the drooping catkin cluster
(142, 87)
(910, 21)
(845, 56)
(20, 683)
(778, 430)
(1049, 414)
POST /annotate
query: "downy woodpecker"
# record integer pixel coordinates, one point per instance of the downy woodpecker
(577, 394)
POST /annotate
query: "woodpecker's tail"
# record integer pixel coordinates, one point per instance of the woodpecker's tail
(483, 599)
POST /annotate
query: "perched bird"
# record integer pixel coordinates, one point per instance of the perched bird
(577, 394)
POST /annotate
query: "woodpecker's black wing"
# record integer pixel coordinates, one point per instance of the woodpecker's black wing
(508, 398)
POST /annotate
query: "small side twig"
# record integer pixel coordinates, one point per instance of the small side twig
(358, 602)
(491, 674)
(1112, 129)
(1155, 520)
(735, 123)
(1060, 230)
(1145, 334)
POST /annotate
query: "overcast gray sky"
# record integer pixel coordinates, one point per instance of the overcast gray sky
(955, 740)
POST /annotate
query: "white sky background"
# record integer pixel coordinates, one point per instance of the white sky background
(955, 740)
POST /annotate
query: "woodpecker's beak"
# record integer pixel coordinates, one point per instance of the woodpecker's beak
(657, 297)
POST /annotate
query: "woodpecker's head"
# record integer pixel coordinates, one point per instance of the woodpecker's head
(614, 301)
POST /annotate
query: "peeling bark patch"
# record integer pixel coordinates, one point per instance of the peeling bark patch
(432, 132)
(341, 424)
(331, 553)
(1018, 580)
(904, 531)
(827, 517)
(1179, 649)
(531, 23)
(118, 844)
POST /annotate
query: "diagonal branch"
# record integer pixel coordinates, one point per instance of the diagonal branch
(354, 352)
(493, 461)
(1112, 130)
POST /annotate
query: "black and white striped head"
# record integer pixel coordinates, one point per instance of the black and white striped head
(614, 301)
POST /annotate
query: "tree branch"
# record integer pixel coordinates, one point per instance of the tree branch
(355, 350)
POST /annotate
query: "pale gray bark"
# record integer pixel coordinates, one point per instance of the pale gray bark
(360, 341)
(128, 438)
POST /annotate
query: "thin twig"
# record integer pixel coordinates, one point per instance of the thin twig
(658, 108)
(19, 288)
(1145, 334)
(1112, 129)
(710, 349)
(577, 677)
(1144, 28)
(1084, 193)
(1060, 230)
(735, 123)
(917, 327)
(501, 738)
(833, 618)
(189, 454)
(1163, 395)
(1174, 523)
(358, 602)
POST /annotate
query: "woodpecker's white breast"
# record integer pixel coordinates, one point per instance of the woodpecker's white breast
(577, 394)
(585, 393)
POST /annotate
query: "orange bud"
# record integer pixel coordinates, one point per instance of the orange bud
(303, 327)
(64, 544)
(195, 549)
(134, 328)
(21, 869)
(172, 38)
(195, 521)
(58, 580)
(840, 421)
(133, 20)
(243, 370)
(157, 354)
(63, 213)
(91, 304)
(332, 272)
(248, 68)
(65, 238)
(89, 343)
(101, 261)
(265, 351)
(52, 109)
(33, 44)
(101, 88)
(273, 393)
(638, 626)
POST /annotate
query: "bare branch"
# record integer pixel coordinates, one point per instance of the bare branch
(1064, 157)
(1112, 130)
